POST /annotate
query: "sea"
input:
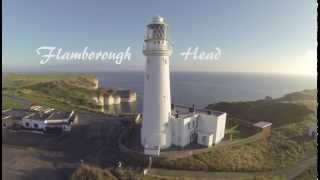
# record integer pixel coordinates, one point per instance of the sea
(203, 88)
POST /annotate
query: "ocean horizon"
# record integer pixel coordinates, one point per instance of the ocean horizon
(203, 88)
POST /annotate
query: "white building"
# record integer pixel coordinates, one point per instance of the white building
(52, 121)
(192, 125)
(156, 132)
(42, 109)
(162, 128)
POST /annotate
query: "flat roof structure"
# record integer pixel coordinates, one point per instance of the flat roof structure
(41, 109)
(59, 115)
(38, 116)
(262, 124)
(184, 111)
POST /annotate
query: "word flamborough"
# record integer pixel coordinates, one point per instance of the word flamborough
(48, 53)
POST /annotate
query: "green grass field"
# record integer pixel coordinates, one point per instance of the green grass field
(277, 112)
(310, 174)
(60, 91)
(235, 131)
(277, 152)
(287, 145)
(21, 80)
(8, 103)
(86, 172)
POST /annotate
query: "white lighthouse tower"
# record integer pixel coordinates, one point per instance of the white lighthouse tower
(156, 128)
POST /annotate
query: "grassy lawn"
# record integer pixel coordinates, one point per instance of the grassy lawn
(9, 103)
(310, 104)
(287, 145)
(39, 98)
(236, 131)
(299, 128)
(310, 174)
(64, 92)
(17, 80)
(86, 172)
(277, 152)
(278, 113)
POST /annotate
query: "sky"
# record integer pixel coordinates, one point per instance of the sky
(254, 36)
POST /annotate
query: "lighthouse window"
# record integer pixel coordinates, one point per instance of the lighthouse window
(148, 61)
(164, 60)
(147, 76)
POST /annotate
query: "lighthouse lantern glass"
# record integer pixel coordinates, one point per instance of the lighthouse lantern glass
(156, 32)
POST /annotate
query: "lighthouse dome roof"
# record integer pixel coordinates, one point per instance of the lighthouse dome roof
(157, 20)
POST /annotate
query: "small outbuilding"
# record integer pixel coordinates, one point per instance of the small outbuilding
(264, 127)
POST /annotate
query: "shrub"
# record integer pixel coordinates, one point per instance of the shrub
(85, 172)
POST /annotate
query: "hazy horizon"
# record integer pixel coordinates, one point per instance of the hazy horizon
(95, 71)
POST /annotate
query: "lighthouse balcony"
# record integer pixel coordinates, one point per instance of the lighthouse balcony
(153, 46)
